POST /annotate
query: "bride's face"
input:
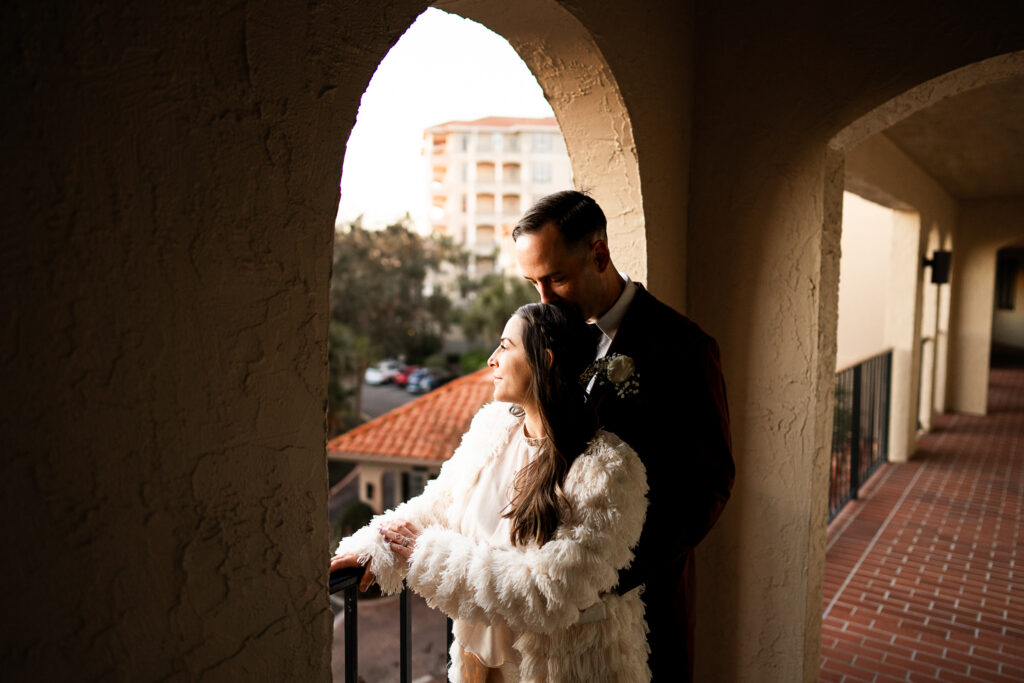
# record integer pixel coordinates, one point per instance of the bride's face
(511, 370)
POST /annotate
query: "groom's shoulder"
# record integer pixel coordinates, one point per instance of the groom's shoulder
(647, 311)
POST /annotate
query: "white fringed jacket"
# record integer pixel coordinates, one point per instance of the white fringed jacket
(539, 591)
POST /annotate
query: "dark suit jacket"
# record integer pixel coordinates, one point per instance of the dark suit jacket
(679, 425)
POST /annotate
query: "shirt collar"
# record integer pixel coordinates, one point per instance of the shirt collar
(610, 321)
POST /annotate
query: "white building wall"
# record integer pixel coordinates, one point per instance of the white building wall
(478, 206)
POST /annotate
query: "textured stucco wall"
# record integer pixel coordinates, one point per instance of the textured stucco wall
(171, 176)
(773, 84)
(985, 227)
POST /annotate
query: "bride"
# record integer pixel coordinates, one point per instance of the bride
(520, 537)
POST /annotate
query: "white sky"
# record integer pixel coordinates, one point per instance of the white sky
(443, 68)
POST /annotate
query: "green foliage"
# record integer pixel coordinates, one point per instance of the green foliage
(435, 361)
(378, 288)
(471, 361)
(495, 298)
(348, 356)
(379, 308)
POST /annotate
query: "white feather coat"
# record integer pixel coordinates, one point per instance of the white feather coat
(538, 591)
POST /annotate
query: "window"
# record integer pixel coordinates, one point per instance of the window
(510, 204)
(439, 140)
(439, 173)
(483, 142)
(510, 173)
(485, 203)
(542, 172)
(485, 172)
(484, 265)
(1006, 281)
(464, 141)
(512, 142)
(542, 142)
(485, 235)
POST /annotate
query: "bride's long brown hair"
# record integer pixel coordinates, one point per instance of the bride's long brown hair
(567, 416)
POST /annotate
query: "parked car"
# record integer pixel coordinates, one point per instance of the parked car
(402, 378)
(383, 372)
(428, 379)
(415, 377)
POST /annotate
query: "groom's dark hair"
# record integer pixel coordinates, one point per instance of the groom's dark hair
(578, 217)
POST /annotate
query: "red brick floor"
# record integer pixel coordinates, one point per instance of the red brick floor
(924, 575)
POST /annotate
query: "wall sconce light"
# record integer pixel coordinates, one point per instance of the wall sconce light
(940, 266)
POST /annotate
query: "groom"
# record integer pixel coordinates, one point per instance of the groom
(677, 419)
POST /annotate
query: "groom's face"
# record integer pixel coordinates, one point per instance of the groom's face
(560, 272)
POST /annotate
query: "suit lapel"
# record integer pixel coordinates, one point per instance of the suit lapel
(631, 331)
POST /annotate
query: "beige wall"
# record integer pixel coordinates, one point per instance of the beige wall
(171, 205)
(985, 227)
(925, 218)
(773, 84)
(863, 280)
(1008, 325)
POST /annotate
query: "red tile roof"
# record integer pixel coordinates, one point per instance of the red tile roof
(425, 431)
(501, 121)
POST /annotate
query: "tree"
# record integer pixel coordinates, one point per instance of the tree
(378, 288)
(348, 354)
(379, 307)
(495, 298)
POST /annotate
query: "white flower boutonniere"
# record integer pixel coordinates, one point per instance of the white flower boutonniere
(616, 370)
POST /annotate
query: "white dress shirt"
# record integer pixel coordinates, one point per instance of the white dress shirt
(612, 318)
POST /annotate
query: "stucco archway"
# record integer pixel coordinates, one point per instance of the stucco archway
(584, 94)
(940, 221)
(957, 371)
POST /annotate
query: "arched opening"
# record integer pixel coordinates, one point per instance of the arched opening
(989, 92)
(492, 158)
(941, 155)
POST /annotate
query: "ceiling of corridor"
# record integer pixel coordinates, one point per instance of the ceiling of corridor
(973, 143)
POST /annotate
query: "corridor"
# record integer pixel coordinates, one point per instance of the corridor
(924, 578)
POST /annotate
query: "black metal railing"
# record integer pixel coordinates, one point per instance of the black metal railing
(860, 427)
(347, 580)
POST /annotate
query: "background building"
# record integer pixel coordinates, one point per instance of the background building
(483, 174)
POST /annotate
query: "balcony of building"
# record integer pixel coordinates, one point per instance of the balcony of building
(167, 265)
(923, 580)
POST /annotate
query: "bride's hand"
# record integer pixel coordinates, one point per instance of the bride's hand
(352, 560)
(401, 536)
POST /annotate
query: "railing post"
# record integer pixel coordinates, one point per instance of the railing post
(404, 637)
(855, 434)
(449, 628)
(888, 403)
(351, 642)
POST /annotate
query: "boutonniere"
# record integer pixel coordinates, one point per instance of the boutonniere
(617, 370)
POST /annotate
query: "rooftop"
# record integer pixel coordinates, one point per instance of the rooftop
(425, 431)
(499, 122)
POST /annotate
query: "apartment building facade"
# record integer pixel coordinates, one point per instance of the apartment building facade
(484, 174)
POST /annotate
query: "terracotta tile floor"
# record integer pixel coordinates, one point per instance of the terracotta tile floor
(924, 575)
